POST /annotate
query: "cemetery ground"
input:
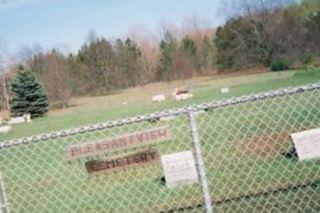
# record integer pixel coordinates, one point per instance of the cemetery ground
(241, 175)
(90, 110)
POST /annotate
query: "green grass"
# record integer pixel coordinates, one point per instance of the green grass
(245, 145)
(205, 91)
(242, 145)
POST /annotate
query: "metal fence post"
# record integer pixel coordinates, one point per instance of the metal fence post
(3, 199)
(200, 162)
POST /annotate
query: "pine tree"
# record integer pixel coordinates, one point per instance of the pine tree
(168, 50)
(190, 51)
(28, 96)
(130, 63)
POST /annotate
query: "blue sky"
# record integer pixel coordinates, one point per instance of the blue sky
(56, 22)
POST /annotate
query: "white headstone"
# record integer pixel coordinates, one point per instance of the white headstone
(27, 117)
(179, 168)
(225, 90)
(307, 144)
(5, 129)
(17, 120)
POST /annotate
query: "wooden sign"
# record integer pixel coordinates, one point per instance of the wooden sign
(142, 158)
(179, 168)
(307, 144)
(135, 139)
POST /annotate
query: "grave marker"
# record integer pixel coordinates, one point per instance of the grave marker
(225, 90)
(307, 144)
(179, 168)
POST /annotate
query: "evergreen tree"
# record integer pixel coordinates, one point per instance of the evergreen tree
(130, 63)
(28, 95)
(242, 43)
(313, 31)
(168, 48)
(206, 55)
(99, 59)
(189, 49)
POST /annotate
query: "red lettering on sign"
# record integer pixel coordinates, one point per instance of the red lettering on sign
(119, 143)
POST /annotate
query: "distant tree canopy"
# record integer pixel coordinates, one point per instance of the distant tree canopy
(52, 69)
(130, 64)
(168, 49)
(98, 61)
(108, 67)
(259, 37)
(313, 32)
(241, 43)
(184, 58)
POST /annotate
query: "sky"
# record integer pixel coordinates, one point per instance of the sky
(66, 23)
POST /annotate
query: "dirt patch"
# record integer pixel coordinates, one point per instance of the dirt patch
(265, 145)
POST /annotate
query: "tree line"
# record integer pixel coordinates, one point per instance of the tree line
(265, 34)
(273, 33)
(102, 66)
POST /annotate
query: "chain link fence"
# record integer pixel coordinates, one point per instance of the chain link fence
(244, 156)
(4, 208)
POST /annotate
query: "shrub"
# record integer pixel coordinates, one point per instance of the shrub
(280, 64)
(306, 58)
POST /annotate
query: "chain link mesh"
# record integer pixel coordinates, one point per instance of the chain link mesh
(248, 155)
(250, 158)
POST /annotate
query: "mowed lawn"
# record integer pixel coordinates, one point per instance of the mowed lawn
(249, 157)
(246, 149)
(136, 101)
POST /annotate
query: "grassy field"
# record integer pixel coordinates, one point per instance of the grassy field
(248, 154)
(244, 148)
(89, 110)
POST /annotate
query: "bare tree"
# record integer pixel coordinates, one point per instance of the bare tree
(52, 69)
(26, 53)
(253, 8)
(260, 31)
(99, 58)
(56, 79)
(3, 81)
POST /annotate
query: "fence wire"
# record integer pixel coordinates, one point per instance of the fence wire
(250, 164)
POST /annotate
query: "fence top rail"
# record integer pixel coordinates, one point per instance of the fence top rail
(166, 113)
